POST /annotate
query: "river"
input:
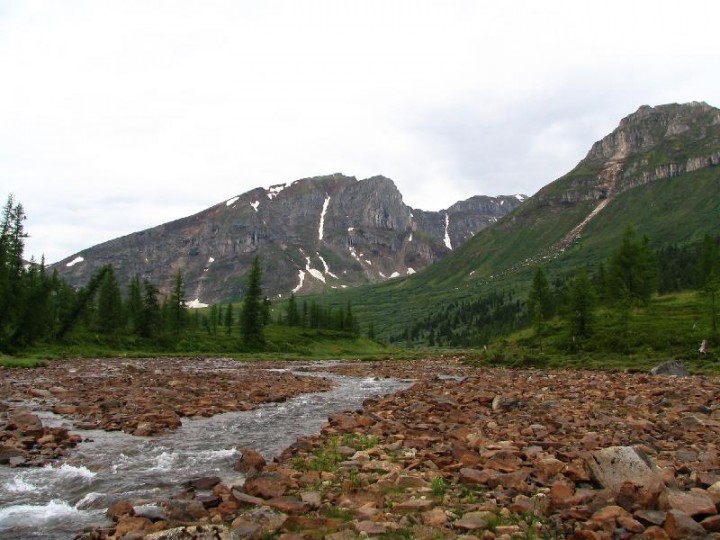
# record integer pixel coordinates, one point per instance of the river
(62, 500)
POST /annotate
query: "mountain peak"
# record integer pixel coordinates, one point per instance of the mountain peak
(650, 127)
(323, 232)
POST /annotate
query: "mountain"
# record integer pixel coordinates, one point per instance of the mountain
(658, 171)
(316, 234)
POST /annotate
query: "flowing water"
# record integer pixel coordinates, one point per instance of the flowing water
(60, 501)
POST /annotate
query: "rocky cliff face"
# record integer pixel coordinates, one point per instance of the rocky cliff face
(651, 144)
(319, 233)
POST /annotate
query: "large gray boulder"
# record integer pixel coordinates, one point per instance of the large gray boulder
(629, 474)
(673, 367)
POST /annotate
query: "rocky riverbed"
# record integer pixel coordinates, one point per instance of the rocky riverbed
(142, 397)
(463, 453)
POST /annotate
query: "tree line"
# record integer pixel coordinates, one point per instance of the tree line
(38, 306)
(622, 284)
(627, 281)
(313, 315)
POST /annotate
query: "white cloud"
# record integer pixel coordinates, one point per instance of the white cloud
(116, 116)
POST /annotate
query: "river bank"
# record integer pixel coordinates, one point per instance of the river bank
(463, 453)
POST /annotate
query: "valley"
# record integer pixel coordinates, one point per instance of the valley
(319, 360)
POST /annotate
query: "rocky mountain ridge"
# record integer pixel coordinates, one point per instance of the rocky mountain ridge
(326, 232)
(657, 171)
(650, 144)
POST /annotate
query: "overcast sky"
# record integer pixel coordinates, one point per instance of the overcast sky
(121, 115)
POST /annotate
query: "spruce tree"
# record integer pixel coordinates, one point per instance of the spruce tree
(266, 311)
(12, 244)
(293, 314)
(229, 319)
(109, 309)
(214, 320)
(134, 305)
(540, 301)
(252, 312)
(581, 303)
(150, 321)
(177, 308)
(709, 272)
(632, 269)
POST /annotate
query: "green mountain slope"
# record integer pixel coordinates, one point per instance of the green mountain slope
(658, 171)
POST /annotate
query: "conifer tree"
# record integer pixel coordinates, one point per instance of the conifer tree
(581, 303)
(293, 314)
(229, 319)
(214, 320)
(266, 311)
(12, 244)
(177, 308)
(252, 312)
(709, 271)
(109, 309)
(134, 305)
(632, 269)
(150, 321)
(540, 301)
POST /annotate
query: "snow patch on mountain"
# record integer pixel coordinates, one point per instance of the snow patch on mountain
(326, 267)
(274, 190)
(447, 229)
(317, 274)
(321, 229)
(301, 279)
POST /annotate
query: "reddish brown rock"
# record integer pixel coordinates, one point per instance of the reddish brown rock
(655, 533)
(475, 476)
(610, 513)
(413, 505)
(184, 511)
(119, 509)
(474, 520)
(371, 527)
(630, 524)
(130, 524)
(251, 461)
(695, 502)
(266, 485)
(561, 495)
(711, 524)
(548, 468)
(436, 516)
(679, 525)
(288, 505)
